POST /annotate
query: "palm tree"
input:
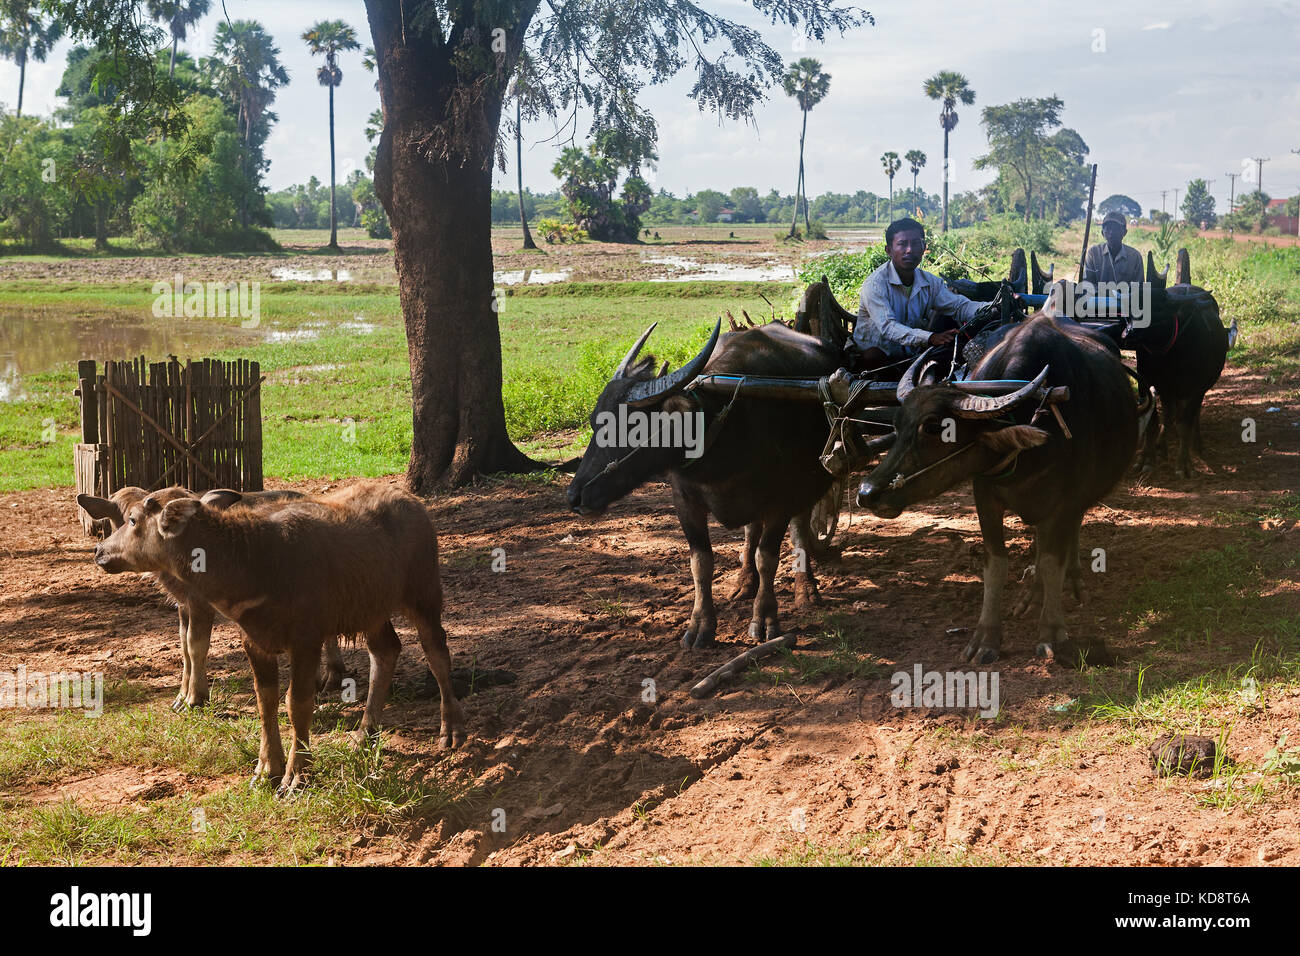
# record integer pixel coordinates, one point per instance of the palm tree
(179, 15)
(24, 34)
(805, 81)
(328, 38)
(950, 89)
(915, 161)
(245, 66)
(892, 164)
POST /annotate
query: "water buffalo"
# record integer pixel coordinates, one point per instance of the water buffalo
(1018, 456)
(757, 465)
(1181, 352)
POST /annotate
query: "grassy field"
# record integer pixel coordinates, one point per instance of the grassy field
(335, 353)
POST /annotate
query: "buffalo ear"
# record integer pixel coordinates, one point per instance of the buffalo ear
(176, 515)
(101, 508)
(1014, 438)
(222, 498)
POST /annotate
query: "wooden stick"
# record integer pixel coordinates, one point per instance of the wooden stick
(734, 666)
(1087, 222)
(179, 447)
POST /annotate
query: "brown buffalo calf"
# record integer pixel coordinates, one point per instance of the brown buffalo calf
(196, 616)
(294, 576)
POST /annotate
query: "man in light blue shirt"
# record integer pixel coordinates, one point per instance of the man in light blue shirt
(903, 308)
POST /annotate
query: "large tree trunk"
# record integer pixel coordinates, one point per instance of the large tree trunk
(519, 166)
(439, 204)
(171, 69)
(945, 179)
(22, 80)
(334, 226)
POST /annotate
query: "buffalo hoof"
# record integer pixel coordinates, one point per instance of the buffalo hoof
(700, 635)
(291, 786)
(805, 590)
(983, 647)
(451, 737)
(329, 682)
(264, 776)
(768, 629)
(179, 704)
(746, 585)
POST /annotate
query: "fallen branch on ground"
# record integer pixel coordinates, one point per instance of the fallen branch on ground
(734, 666)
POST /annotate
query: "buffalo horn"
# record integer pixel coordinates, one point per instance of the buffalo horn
(910, 378)
(986, 406)
(643, 393)
(628, 359)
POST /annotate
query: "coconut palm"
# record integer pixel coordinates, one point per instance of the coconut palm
(949, 88)
(891, 164)
(328, 38)
(807, 83)
(179, 15)
(915, 160)
(245, 66)
(26, 33)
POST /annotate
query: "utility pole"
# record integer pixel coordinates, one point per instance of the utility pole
(1163, 192)
(1175, 204)
(1259, 186)
(1232, 182)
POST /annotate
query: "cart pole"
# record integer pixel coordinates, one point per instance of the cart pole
(1087, 222)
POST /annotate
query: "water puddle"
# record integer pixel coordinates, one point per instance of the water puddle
(285, 274)
(691, 270)
(530, 277)
(39, 340)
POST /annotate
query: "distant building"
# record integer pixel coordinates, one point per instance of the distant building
(1275, 216)
(726, 215)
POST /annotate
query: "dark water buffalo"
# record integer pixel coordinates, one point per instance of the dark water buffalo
(1181, 354)
(1020, 461)
(760, 465)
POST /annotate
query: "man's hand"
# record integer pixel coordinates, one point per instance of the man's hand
(943, 338)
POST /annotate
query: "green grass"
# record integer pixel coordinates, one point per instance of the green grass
(366, 790)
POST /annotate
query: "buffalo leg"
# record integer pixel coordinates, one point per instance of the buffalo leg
(1147, 459)
(694, 518)
(434, 641)
(332, 677)
(986, 642)
(300, 702)
(747, 583)
(384, 647)
(766, 625)
(1185, 421)
(266, 682)
(183, 617)
(1033, 593)
(1054, 538)
(198, 639)
(805, 583)
(1073, 568)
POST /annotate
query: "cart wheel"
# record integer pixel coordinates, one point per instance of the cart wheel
(826, 514)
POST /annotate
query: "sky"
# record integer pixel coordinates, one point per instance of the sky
(1161, 92)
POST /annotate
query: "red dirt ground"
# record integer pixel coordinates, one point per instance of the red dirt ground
(588, 610)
